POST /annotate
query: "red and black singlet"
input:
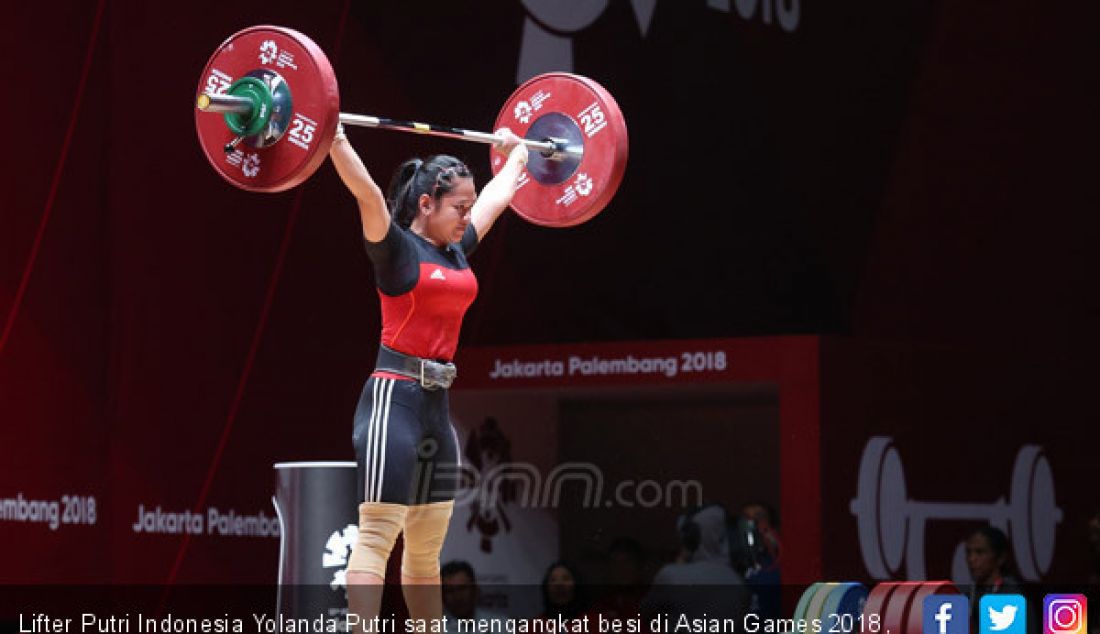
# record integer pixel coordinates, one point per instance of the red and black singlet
(424, 290)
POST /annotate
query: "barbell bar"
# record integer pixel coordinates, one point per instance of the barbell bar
(553, 149)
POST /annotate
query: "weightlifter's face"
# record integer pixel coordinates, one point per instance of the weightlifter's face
(450, 215)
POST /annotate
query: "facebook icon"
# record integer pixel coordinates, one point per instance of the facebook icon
(946, 614)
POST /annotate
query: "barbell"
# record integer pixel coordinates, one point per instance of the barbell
(892, 607)
(279, 100)
(891, 525)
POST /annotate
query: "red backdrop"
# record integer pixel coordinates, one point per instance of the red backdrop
(895, 171)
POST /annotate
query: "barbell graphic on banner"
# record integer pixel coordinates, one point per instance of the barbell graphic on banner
(280, 103)
(891, 525)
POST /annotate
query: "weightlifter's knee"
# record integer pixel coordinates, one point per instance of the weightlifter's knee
(379, 525)
(425, 530)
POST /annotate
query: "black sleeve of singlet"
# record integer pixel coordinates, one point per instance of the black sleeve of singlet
(396, 267)
(469, 240)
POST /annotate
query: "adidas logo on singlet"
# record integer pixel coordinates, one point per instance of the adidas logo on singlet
(437, 275)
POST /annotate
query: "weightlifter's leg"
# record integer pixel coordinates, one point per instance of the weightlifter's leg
(425, 529)
(379, 525)
(385, 445)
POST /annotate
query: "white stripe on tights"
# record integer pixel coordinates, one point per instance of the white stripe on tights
(384, 423)
(368, 454)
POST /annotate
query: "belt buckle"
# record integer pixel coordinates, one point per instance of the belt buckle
(423, 379)
(449, 374)
(428, 382)
(441, 375)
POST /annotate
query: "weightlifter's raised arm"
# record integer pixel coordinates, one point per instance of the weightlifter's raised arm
(498, 192)
(372, 202)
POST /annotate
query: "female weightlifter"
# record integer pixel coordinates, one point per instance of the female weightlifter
(417, 238)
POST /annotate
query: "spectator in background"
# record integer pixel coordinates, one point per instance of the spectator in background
(754, 554)
(766, 521)
(989, 558)
(702, 581)
(461, 594)
(563, 594)
(626, 580)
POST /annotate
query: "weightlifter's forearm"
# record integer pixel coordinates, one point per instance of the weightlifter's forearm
(352, 171)
(497, 194)
(372, 204)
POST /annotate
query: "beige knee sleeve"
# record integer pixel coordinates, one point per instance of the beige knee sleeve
(379, 525)
(425, 529)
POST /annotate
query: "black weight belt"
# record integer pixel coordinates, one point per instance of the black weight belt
(432, 375)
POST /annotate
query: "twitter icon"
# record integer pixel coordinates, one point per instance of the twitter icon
(1002, 614)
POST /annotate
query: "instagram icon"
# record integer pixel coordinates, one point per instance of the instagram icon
(1065, 614)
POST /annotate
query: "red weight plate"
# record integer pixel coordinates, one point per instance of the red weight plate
(895, 614)
(316, 108)
(916, 605)
(877, 600)
(587, 108)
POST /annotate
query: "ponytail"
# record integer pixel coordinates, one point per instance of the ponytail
(401, 187)
(435, 176)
